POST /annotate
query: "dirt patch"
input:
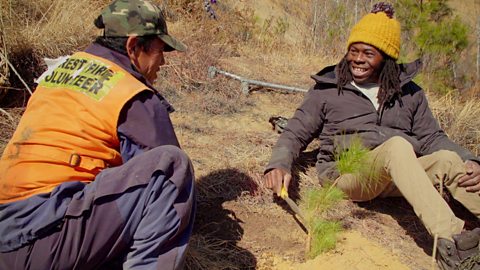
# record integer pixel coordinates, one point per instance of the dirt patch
(353, 252)
(258, 231)
(270, 229)
(273, 236)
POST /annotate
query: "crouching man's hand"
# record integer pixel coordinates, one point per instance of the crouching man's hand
(275, 178)
(471, 181)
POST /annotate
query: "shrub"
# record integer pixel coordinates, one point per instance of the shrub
(434, 34)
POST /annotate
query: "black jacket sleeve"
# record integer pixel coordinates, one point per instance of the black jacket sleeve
(299, 132)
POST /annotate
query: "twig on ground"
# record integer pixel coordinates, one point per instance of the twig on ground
(435, 237)
(16, 73)
(3, 66)
(7, 114)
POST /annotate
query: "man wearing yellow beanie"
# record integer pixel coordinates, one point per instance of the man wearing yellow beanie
(370, 98)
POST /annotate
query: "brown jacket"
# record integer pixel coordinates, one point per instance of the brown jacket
(335, 118)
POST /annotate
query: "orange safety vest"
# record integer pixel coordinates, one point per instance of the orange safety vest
(69, 129)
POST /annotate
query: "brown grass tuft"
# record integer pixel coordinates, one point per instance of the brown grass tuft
(216, 254)
(185, 76)
(32, 30)
(460, 118)
(9, 119)
(52, 28)
(225, 184)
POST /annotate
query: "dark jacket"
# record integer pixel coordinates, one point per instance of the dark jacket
(336, 118)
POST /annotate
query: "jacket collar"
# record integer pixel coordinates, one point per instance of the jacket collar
(409, 71)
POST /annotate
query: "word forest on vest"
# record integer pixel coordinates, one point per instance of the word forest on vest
(88, 76)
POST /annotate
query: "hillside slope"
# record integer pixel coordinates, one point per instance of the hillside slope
(259, 229)
(240, 224)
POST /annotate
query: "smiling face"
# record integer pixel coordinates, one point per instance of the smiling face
(365, 63)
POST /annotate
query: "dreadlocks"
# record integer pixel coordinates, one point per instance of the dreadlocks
(342, 72)
(389, 80)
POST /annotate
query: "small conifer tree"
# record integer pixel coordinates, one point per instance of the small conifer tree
(322, 234)
(431, 32)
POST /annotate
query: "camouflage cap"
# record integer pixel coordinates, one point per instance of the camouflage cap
(123, 18)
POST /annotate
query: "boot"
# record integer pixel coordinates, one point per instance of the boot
(463, 254)
(447, 255)
(467, 243)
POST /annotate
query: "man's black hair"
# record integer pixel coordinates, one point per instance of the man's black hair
(119, 44)
(389, 80)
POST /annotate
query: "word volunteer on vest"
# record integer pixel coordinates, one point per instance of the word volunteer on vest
(85, 75)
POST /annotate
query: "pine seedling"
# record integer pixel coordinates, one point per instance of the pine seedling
(355, 160)
(322, 234)
(317, 200)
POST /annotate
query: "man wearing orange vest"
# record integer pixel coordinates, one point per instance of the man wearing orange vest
(93, 177)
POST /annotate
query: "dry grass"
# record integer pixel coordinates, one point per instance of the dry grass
(32, 30)
(4, 66)
(9, 119)
(215, 254)
(460, 118)
(186, 81)
(51, 28)
(228, 151)
(276, 66)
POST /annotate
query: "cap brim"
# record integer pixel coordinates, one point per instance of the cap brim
(172, 44)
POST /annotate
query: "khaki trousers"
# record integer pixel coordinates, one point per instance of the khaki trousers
(398, 172)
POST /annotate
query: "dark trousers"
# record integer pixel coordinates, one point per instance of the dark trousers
(138, 215)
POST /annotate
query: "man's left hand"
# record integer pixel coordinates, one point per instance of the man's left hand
(471, 181)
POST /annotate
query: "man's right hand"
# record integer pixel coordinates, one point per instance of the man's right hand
(275, 178)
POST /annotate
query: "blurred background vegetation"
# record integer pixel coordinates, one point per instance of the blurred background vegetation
(273, 40)
(444, 33)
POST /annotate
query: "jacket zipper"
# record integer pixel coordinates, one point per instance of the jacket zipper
(380, 114)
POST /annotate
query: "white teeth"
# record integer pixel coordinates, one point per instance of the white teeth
(359, 69)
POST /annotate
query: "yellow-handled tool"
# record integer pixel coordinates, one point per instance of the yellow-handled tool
(292, 205)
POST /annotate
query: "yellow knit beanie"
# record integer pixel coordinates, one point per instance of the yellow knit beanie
(378, 29)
